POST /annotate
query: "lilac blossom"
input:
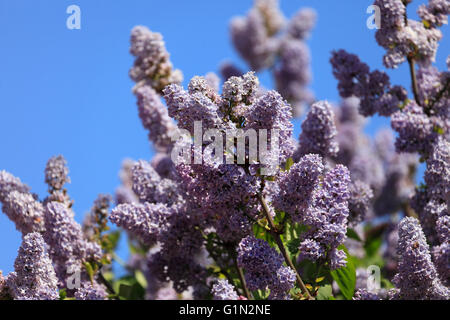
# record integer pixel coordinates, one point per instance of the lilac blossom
(152, 65)
(435, 13)
(34, 277)
(415, 129)
(417, 277)
(155, 118)
(297, 184)
(301, 24)
(56, 173)
(251, 39)
(318, 132)
(25, 211)
(145, 221)
(223, 290)
(292, 73)
(327, 217)
(9, 183)
(264, 266)
(64, 236)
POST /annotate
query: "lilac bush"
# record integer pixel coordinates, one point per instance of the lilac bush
(232, 206)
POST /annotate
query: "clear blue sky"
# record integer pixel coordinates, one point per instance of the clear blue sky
(68, 92)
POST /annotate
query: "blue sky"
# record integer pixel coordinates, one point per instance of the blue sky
(68, 92)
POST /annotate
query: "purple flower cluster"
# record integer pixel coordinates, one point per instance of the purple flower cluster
(25, 211)
(435, 13)
(56, 173)
(318, 132)
(155, 118)
(326, 218)
(402, 37)
(372, 87)
(359, 201)
(264, 267)
(441, 253)
(415, 129)
(223, 290)
(34, 277)
(152, 65)
(417, 278)
(67, 246)
(265, 41)
(296, 186)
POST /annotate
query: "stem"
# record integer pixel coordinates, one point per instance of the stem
(247, 293)
(280, 245)
(107, 284)
(415, 88)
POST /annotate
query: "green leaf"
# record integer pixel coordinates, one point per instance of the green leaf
(345, 277)
(113, 238)
(289, 163)
(293, 246)
(89, 270)
(140, 278)
(353, 235)
(372, 246)
(62, 294)
(325, 292)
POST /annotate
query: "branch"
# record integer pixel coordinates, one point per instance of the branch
(415, 88)
(247, 293)
(280, 245)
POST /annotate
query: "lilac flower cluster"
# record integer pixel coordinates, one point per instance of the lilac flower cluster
(264, 267)
(441, 253)
(265, 41)
(154, 117)
(435, 13)
(297, 185)
(34, 277)
(152, 66)
(431, 202)
(372, 87)
(327, 218)
(417, 277)
(403, 37)
(223, 290)
(318, 132)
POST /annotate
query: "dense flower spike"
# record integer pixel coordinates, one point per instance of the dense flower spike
(435, 13)
(359, 202)
(149, 187)
(264, 267)
(25, 211)
(327, 218)
(143, 220)
(274, 222)
(417, 277)
(297, 184)
(373, 88)
(33, 277)
(437, 174)
(223, 290)
(402, 37)
(441, 253)
(416, 130)
(318, 132)
(152, 65)
(9, 183)
(90, 291)
(155, 118)
(292, 74)
(270, 111)
(56, 173)
(67, 246)
(301, 24)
